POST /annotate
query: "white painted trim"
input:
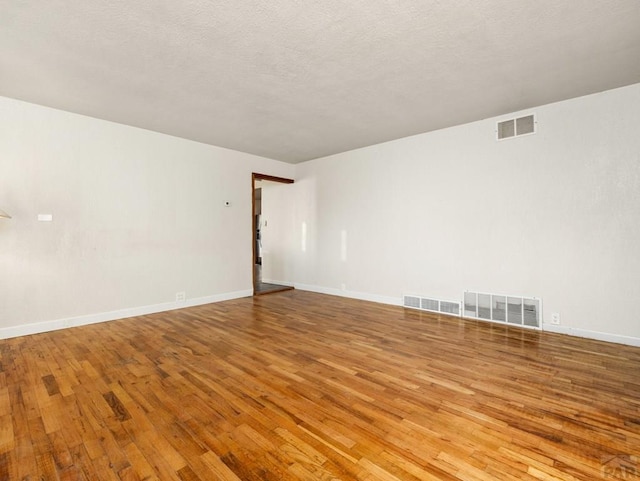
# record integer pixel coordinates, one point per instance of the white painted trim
(363, 296)
(599, 336)
(46, 326)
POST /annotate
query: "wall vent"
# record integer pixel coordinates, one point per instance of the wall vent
(512, 310)
(506, 129)
(411, 301)
(433, 305)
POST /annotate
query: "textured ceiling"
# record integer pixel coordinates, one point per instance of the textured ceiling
(297, 79)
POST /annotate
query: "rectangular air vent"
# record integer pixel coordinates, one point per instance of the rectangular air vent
(447, 307)
(411, 301)
(429, 304)
(516, 127)
(518, 311)
(432, 305)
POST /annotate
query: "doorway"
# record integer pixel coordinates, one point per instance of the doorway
(259, 286)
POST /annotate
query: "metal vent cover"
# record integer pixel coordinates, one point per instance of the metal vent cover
(411, 301)
(429, 304)
(513, 310)
(432, 305)
(506, 129)
(450, 307)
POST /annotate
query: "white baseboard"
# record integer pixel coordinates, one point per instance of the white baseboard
(599, 336)
(363, 296)
(46, 326)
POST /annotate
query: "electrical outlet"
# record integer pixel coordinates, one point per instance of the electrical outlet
(181, 297)
(555, 318)
(343, 287)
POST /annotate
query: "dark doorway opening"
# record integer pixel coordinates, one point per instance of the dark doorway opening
(260, 287)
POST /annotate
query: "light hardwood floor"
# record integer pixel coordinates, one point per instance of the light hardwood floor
(297, 385)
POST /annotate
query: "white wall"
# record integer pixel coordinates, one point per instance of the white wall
(137, 217)
(553, 215)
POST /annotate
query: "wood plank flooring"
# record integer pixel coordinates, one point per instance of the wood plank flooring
(302, 386)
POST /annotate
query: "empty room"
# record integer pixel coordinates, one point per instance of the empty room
(293, 240)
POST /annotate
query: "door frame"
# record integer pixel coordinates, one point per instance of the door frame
(254, 177)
